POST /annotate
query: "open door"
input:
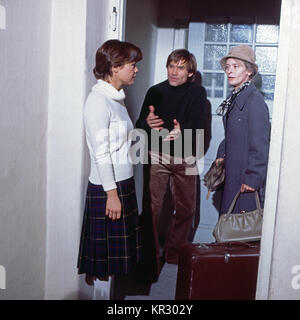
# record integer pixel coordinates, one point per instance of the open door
(158, 28)
(210, 40)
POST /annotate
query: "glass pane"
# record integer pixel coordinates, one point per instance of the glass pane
(266, 85)
(268, 95)
(241, 33)
(266, 58)
(229, 90)
(218, 93)
(231, 46)
(215, 79)
(213, 83)
(212, 56)
(216, 32)
(267, 33)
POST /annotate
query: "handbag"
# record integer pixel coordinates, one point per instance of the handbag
(214, 177)
(244, 226)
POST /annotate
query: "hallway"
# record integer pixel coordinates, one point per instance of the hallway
(163, 289)
(46, 61)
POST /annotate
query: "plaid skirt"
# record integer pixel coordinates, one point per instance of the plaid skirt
(109, 247)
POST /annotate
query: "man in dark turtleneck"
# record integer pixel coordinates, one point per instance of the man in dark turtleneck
(172, 112)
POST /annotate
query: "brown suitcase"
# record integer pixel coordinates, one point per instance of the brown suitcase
(217, 271)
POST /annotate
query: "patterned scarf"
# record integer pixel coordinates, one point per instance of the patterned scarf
(224, 106)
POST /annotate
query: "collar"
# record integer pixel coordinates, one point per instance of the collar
(182, 87)
(108, 89)
(243, 96)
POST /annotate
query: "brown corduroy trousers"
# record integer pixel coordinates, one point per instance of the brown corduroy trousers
(182, 181)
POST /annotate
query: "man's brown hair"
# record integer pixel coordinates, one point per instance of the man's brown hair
(186, 56)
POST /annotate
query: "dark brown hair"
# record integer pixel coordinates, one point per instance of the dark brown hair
(186, 56)
(114, 53)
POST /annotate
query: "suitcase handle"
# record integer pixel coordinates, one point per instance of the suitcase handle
(226, 244)
(239, 243)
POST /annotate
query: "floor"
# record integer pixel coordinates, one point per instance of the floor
(126, 288)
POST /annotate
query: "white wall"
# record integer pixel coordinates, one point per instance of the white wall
(141, 29)
(279, 269)
(165, 44)
(24, 59)
(78, 29)
(65, 144)
(44, 172)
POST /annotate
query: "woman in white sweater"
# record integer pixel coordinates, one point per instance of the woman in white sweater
(110, 237)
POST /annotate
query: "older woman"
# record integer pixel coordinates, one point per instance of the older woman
(110, 241)
(247, 128)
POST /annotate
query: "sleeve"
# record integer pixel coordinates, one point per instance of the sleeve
(141, 122)
(97, 120)
(258, 143)
(221, 150)
(196, 117)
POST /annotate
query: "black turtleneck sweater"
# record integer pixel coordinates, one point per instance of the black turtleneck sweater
(185, 103)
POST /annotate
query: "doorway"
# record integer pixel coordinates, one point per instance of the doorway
(208, 31)
(210, 40)
(158, 28)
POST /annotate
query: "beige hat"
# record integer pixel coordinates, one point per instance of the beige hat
(242, 52)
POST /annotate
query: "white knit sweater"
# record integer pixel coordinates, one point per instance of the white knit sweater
(107, 125)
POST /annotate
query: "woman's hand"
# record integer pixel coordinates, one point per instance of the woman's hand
(113, 205)
(219, 161)
(246, 188)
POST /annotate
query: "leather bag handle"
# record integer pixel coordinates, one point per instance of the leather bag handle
(235, 200)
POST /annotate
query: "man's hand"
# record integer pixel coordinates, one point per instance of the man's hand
(174, 134)
(153, 121)
(246, 188)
